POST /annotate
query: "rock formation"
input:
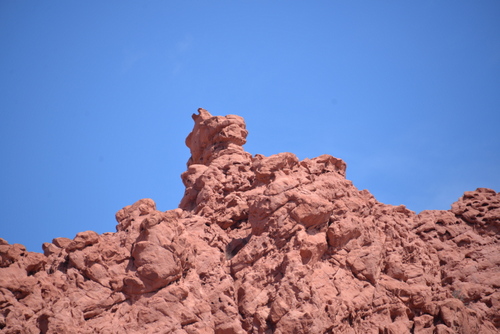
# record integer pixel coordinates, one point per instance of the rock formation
(264, 245)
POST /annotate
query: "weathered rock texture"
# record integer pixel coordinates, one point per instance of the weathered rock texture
(264, 245)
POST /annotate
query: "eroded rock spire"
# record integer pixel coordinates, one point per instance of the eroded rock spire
(213, 136)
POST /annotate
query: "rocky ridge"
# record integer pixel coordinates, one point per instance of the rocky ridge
(264, 245)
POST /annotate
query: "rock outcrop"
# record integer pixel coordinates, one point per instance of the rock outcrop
(264, 245)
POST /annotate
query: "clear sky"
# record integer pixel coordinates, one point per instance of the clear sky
(96, 99)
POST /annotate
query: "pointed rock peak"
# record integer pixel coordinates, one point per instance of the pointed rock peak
(202, 114)
(213, 136)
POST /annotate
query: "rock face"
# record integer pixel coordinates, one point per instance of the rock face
(264, 245)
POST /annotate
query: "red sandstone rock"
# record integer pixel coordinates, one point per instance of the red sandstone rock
(263, 245)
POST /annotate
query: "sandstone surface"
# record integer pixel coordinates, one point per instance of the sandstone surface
(263, 245)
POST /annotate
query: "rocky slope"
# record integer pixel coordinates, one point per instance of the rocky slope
(263, 245)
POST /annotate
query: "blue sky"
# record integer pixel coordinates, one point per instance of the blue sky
(97, 96)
